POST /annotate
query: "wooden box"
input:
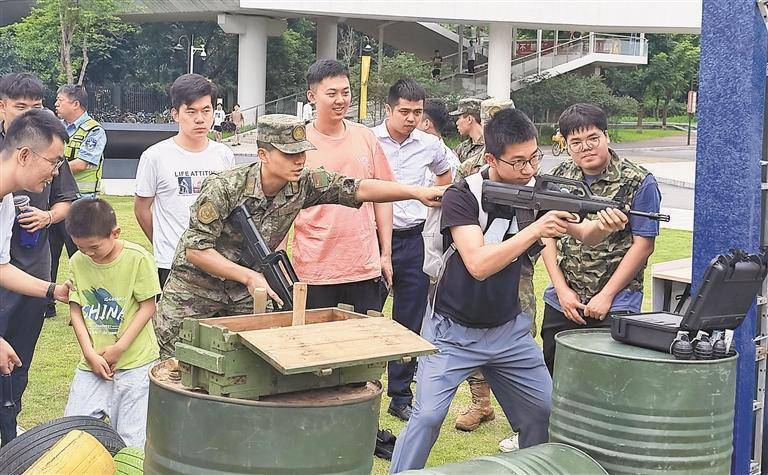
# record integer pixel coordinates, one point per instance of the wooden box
(256, 355)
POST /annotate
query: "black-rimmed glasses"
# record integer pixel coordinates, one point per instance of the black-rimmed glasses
(519, 165)
(55, 162)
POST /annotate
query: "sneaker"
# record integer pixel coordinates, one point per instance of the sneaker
(401, 411)
(385, 444)
(509, 444)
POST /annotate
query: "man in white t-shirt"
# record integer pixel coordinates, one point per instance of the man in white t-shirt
(218, 118)
(171, 172)
(31, 155)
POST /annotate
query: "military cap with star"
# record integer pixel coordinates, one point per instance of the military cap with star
(491, 106)
(467, 105)
(286, 133)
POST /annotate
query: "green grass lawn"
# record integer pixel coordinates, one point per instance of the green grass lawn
(57, 355)
(632, 135)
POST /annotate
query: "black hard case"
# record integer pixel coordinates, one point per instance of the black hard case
(730, 285)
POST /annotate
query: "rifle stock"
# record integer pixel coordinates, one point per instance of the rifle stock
(275, 266)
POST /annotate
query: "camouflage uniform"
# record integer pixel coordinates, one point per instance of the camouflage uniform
(192, 292)
(468, 150)
(588, 268)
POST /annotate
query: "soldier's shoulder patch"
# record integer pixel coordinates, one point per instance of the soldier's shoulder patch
(319, 179)
(207, 213)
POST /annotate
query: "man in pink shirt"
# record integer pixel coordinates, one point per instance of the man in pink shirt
(343, 254)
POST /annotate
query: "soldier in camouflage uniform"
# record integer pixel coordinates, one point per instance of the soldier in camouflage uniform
(480, 410)
(469, 124)
(206, 277)
(591, 282)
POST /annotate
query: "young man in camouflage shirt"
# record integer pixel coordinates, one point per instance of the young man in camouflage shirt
(207, 277)
(591, 282)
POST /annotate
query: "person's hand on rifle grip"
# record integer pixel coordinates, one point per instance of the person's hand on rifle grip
(611, 220)
(554, 224)
(256, 281)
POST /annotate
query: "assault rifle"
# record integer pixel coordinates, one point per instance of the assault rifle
(275, 266)
(553, 193)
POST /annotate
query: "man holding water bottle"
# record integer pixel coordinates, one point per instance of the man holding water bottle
(21, 316)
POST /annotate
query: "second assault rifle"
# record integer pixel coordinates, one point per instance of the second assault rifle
(275, 266)
(553, 193)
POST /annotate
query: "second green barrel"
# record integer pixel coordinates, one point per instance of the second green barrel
(544, 459)
(642, 412)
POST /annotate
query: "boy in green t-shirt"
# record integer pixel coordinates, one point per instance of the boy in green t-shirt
(115, 283)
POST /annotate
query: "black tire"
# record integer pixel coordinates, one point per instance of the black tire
(26, 449)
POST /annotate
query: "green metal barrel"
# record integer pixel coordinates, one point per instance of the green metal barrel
(544, 459)
(639, 411)
(327, 431)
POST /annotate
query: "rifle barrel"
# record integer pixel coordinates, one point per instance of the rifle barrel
(654, 216)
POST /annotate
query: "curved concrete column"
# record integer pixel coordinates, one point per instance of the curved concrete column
(500, 60)
(327, 34)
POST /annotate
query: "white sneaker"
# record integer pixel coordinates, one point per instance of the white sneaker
(509, 444)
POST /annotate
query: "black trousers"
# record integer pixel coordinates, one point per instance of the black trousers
(59, 238)
(411, 286)
(556, 322)
(21, 320)
(363, 295)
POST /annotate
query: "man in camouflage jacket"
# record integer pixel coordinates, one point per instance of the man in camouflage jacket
(207, 276)
(589, 283)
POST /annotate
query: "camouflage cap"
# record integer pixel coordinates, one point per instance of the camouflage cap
(467, 105)
(286, 133)
(491, 106)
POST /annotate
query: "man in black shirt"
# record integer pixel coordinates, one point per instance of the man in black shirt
(21, 316)
(477, 322)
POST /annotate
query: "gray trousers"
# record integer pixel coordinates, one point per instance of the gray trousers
(513, 365)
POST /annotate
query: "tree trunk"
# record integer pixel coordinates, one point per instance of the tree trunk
(640, 114)
(664, 113)
(84, 48)
(64, 55)
(656, 109)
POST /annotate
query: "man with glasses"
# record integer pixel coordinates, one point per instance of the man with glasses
(21, 316)
(85, 153)
(477, 319)
(589, 283)
(30, 159)
(480, 409)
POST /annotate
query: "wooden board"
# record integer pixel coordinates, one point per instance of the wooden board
(678, 270)
(320, 346)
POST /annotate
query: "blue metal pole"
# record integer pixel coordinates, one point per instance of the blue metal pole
(727, 201)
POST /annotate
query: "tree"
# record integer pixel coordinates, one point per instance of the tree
(632, 83)
(669, 74)
(545, 98)
(69, 30)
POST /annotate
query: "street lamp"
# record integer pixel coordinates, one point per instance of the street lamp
(192, 50)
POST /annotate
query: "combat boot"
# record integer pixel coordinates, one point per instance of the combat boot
(479, 411)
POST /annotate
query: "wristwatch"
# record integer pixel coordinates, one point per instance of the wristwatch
(51, 289)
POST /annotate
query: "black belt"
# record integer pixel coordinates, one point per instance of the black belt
(408, 231)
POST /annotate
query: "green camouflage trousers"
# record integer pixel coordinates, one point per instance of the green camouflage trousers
(177, 303)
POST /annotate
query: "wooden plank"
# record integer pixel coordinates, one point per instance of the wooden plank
(259, 300)
(293, 350)
(201, 358)
(299, 303)
(278, 319)
(678, 270)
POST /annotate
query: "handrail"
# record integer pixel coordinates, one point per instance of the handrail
(273, 101)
